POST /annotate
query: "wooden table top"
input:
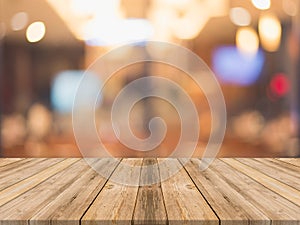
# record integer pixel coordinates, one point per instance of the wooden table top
(231, 191)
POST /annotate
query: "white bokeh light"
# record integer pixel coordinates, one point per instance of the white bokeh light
(240, 16)
(262, 4)
(19, 21)
(35, 31)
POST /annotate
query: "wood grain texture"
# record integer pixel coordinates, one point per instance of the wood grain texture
(21, 187)
(290, 193)
(150, 207)
(230, 192)
(32, 201)
(277, 208)
(116, 202)
(18, 164)
(184, 203)
(6, 161)
(293, 161)
(275, 169)
(287, 167)
(21, 172)
(71, 203)
(230, 205)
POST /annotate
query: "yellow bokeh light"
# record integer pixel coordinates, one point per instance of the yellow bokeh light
(186, 28)
(247, 41)
(189, 25)
(269, 28)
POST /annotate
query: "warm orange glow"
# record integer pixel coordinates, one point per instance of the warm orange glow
(247, 41)
(183, 19)
(79, 14)
(2, 30)
(269, 28)
(290, 7)
(188, 27)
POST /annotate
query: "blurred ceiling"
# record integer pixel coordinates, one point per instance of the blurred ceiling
(58, 32)
(38, 10)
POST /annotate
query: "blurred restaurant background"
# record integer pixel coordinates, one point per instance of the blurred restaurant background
(252, 46)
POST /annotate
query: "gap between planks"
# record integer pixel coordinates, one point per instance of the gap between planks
(288, 192)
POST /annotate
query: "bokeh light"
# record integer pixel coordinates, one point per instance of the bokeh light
(269, 28)
(233, 67)
(64, 89)
(252, 46)
(240, 16)
(39, 121)
(189, 25)
(19, 21)
(101, 33)
(290, 7)
(35, 31)
(247, 41)
(280, 85)
(262, 4)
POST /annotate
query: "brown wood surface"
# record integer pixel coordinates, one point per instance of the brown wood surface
(149, 208)
(257, 191)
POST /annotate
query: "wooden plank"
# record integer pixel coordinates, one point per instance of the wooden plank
(287, 167)
(290, 168)
(184, 203)
(22, 208)
(282, 166)
(15, 175)
(230, 206)
(284, 190)
(70, 205)
(115, 203)
(238, 191)
(272, 168)
(19, 188)
(150, 207)
(293, 161)
(19, 164)
(277, 208)
(6, 161)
